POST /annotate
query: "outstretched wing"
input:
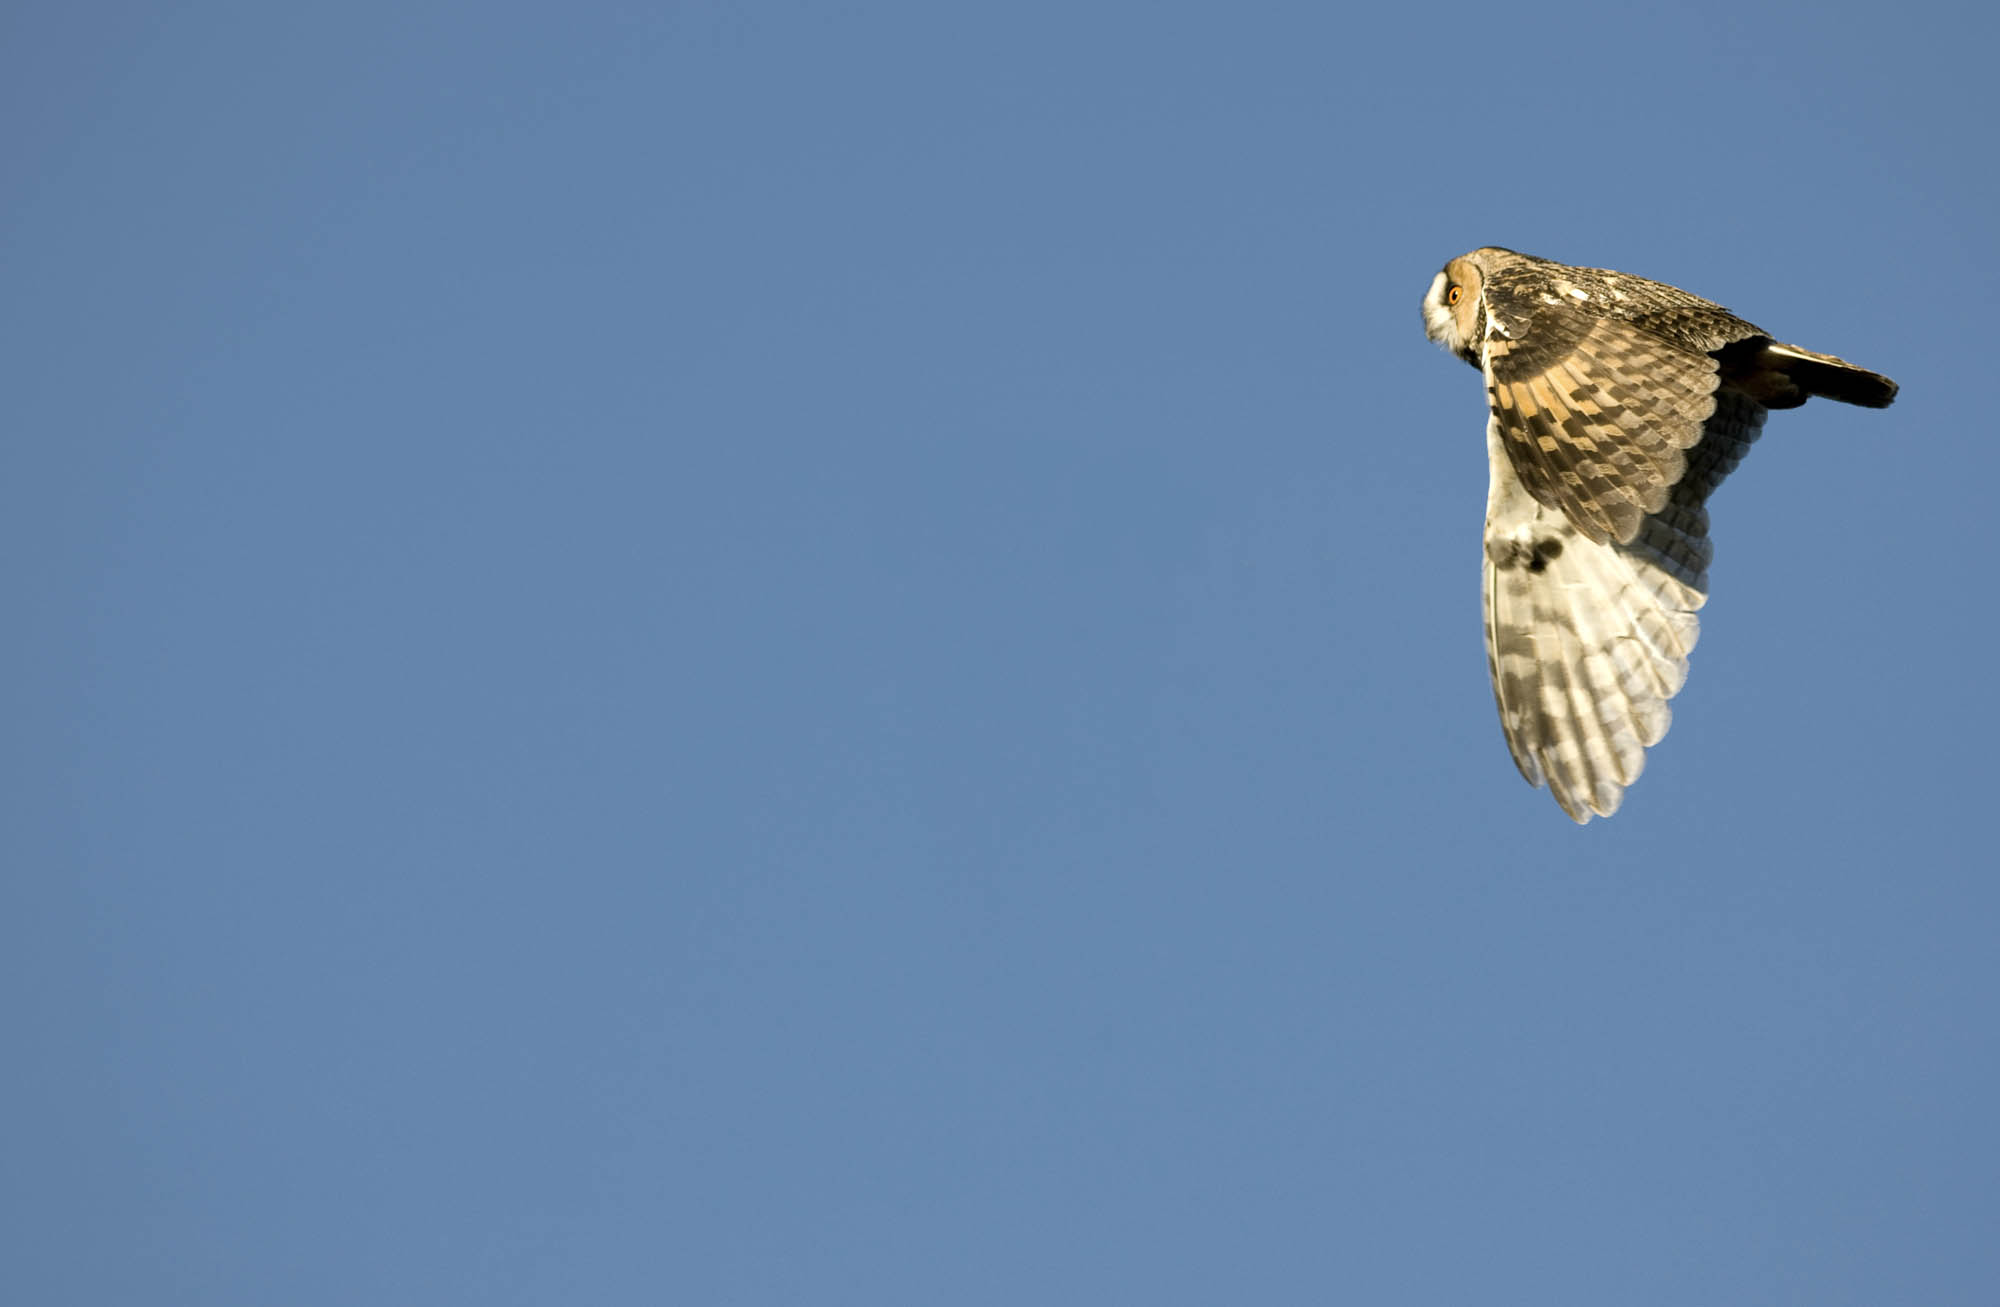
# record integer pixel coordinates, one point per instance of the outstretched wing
(1587, 639)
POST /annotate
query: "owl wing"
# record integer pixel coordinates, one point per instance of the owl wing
(1587, 639)
(1595, 413)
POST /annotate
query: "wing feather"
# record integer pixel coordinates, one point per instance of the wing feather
(1588, 639)
(1597, 414)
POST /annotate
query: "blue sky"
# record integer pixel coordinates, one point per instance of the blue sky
(775, 653)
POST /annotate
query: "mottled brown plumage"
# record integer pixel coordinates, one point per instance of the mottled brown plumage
(1617, 405)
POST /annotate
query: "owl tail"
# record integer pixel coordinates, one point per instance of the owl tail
(1785, 376)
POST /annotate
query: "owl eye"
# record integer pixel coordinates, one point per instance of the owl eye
(1453, 294)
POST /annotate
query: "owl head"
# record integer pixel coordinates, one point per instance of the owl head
(1451, 307)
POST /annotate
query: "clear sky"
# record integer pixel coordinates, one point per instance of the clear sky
(780, 653)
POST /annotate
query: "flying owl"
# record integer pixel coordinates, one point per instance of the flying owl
(1618, 405)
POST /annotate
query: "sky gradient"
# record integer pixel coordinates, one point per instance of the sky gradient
(778, 653)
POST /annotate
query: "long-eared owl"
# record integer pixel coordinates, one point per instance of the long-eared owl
(1617, 406)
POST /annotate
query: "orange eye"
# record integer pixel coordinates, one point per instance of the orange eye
(1453, 294)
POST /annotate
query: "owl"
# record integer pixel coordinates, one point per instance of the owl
(1618, 405)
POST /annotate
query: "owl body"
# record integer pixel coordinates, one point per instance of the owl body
(1616, 406)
